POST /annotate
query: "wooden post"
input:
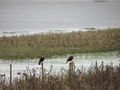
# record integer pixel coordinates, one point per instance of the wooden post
(71, 67)
(10, 74)
(42, 72)
(70, 74)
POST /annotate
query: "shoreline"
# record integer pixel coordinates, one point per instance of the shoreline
(48, 31)
(52, 44)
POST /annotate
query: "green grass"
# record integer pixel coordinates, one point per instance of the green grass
(32, 46)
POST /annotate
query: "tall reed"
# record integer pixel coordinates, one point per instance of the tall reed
(31, 46)
(103, 77)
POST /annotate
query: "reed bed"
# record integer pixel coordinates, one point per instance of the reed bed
(32, 46)
(103, 77)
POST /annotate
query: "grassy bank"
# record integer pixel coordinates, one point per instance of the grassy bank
(97, 78)
(32, 46)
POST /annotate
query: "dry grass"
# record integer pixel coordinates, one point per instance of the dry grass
(31, 46)
(97, 78)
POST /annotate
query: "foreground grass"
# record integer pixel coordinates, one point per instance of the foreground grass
(97, 78)
(32, 46)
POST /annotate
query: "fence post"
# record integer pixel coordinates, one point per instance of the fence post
(71, 68)
(10, 74)
(70, 74)
(42, 71)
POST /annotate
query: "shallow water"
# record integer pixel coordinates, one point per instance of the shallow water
(30, 16)
(81, 60)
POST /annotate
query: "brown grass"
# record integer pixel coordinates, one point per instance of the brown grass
(31, 46)
(96, 78)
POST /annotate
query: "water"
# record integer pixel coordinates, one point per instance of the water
(32, 16)
(81, 60)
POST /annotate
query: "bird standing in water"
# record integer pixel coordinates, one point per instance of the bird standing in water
(69, 59)
(41, 60)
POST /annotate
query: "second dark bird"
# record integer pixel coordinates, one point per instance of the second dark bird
(69, 59)
(41, 60)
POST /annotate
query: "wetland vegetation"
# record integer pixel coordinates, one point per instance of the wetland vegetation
(51, 44)
(103, 77)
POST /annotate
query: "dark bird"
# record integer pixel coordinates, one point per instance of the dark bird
(18, 73)
(2, 75)
(69, 59)
(41, 60)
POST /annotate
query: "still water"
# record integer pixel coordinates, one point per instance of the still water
(33, 16)
(81, 60)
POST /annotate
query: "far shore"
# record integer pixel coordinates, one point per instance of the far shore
(32, 46)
